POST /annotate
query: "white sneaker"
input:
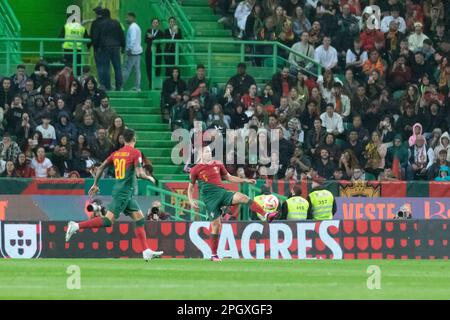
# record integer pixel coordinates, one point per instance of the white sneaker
(72, 228)
(149, 254)
(222, 20)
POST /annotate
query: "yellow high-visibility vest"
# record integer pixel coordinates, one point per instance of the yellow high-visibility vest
(297, 208)
(322, 204)
(73, 31)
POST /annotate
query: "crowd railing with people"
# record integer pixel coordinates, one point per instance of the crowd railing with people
(189, 52)
(40, 49)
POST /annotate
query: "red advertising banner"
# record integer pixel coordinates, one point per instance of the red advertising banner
(332, 239)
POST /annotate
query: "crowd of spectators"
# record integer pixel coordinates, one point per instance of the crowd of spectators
(379, 110)
(55, 125)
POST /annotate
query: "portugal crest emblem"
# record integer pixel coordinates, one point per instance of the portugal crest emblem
(20, 240)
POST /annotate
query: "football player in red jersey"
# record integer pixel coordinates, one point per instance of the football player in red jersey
(209, 174)
(127, 163)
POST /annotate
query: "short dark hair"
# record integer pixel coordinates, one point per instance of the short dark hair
(428, 42)
(21, 66)
(242, 65)
(200, 66)
(131, 14)
(128, 135)
(297, 190)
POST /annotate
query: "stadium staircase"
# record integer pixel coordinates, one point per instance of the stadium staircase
(204, 22)
(141, 111)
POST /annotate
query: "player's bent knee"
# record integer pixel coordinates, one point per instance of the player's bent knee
(240, 198)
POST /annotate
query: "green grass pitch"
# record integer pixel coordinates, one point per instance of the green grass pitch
(230, 279)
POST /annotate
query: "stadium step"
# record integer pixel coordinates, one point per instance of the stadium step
(162, 160)
(155, 143)
(213, 32)
(157, 152)
(142, 118)
(132, 103)
(207, 25)
(145, 126)
(194, 17)
(173, 177)
(137, 110)
(154, 135)
(167, 169)
(194, 3)
(129, 94)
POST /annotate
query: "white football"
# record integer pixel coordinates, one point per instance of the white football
(271, 202)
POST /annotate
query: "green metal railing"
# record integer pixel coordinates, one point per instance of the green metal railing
(41, 53)
(178, 205)
(271, 56)
(9, 28)
(9, 23)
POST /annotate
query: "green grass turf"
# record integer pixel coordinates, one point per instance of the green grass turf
(231, 279)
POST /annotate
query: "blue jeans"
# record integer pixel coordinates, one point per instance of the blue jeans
(105, 56)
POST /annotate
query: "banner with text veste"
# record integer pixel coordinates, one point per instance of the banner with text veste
(386, 208)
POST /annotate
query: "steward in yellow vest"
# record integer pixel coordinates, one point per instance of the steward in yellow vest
(295, 207)
(322, 204)
(73, 31)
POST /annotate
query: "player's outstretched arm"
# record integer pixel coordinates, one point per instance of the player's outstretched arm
(141, 174)
(190, 193)
(94, 189)
(231, 178)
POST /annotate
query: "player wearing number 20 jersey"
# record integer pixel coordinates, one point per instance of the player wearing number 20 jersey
(125, 161)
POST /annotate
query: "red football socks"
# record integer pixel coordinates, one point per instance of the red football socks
(140, 233)
(255, 207)
(214, 243)
(92, 223)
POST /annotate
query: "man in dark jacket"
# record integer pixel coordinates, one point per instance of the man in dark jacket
(282, 82)
(286, 150)
(242, 81)
(88, 129)
(111, 40)
(65, 127)
(61, 160)
(324, 167)
(95, 29)
(102, 146)
(172, 87)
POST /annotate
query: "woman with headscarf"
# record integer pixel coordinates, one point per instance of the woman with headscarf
(417, 130)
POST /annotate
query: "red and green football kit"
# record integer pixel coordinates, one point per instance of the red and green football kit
(209, 177)
(125, 162)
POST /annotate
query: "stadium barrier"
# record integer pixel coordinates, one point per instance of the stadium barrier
(65, 199)
(359, 200)
(332, 239)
